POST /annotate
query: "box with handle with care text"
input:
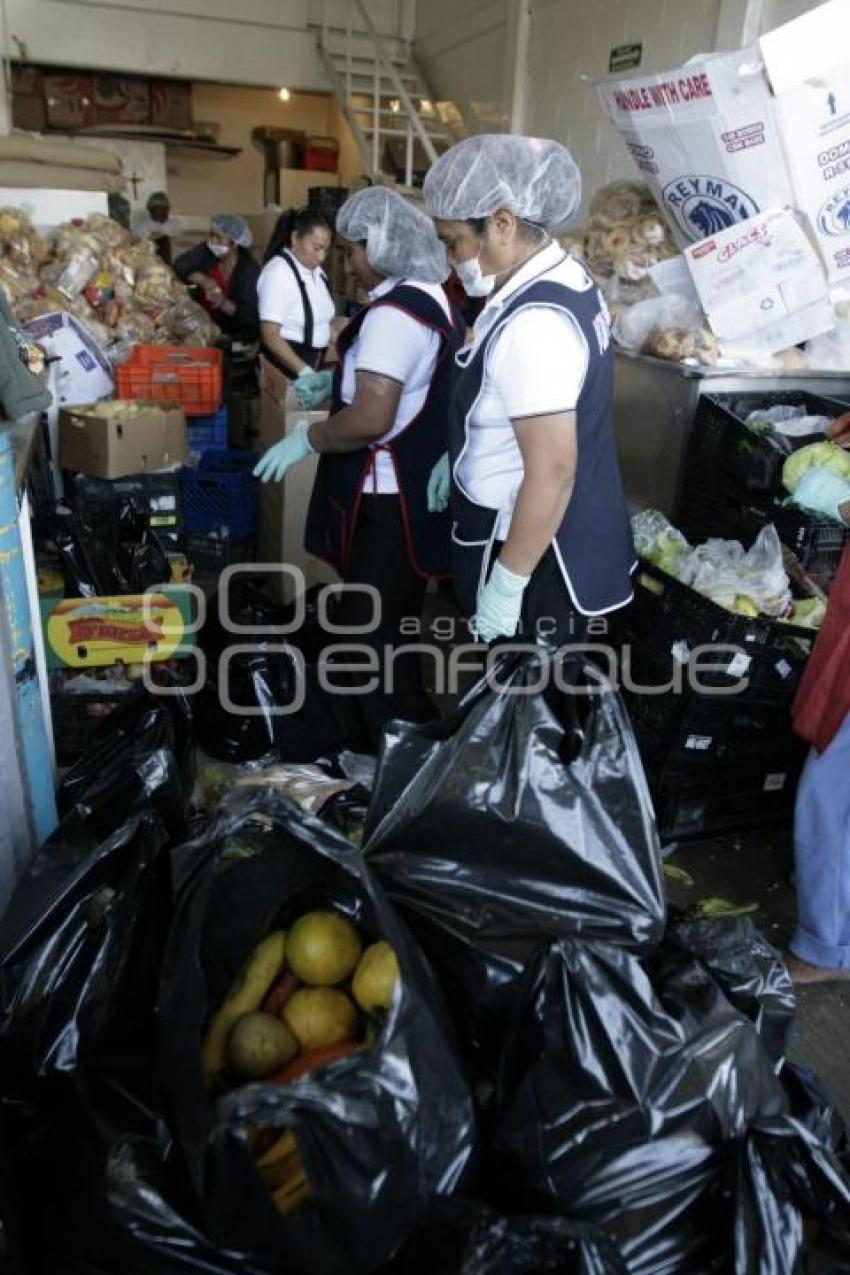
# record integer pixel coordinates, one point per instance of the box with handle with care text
(730, 135)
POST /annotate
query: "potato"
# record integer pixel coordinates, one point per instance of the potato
(258, 1045)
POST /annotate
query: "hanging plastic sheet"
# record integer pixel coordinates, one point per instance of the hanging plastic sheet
(521, 816)
(381, 1132)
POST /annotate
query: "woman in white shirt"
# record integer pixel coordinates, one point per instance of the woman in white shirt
(296, 303)
(369, 513)
(541, 538)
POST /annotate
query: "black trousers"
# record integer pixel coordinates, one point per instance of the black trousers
(346, 716)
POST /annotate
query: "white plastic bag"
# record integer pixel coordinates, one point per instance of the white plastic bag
(728, 574)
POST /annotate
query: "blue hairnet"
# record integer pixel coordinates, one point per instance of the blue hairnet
(533, 177)
(235, 227)
(400, 239)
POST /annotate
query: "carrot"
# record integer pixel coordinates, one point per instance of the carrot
(279, 993)
(306, 1063)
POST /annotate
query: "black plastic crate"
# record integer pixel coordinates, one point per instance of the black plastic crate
(724, 802)
(100, 500)
(724, 459)
(211, 553)
(77, 715)
(687, 729)
(818, 542)
(672, 619)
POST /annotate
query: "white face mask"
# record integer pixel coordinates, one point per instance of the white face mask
(475, 282)
(218, 249)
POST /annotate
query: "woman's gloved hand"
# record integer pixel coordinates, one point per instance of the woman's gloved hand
(499, 604)
(440, 485)
(824, 492)
(290, 451)
(312, 388)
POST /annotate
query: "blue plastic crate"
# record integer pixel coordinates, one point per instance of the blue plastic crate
(207, 431)
(221, 494)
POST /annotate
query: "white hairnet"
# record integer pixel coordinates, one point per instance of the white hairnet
(400, 239)
(533, 177)
(235, 227)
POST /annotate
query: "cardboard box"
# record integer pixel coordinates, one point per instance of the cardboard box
(705, 140)
(171, 104)
(807, 63)
(29, 112)
(121, 99)
(111, 439)
(26, 78)
(762, 283)
(69, 100)
(95, 632)
(730, 135)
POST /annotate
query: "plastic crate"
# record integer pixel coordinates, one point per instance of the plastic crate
(817, 541)
(77, 715)
(723, 802)
(725, 461)
(686, 728)
(672, 619)
(210, 553)
(174, 374)
(208, 431)
(221, 494)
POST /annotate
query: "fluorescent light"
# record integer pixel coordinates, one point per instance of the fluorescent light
(284, 95)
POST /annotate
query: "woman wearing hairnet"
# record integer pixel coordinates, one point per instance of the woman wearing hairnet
(226, 276)
(368, 513)
(540, 530)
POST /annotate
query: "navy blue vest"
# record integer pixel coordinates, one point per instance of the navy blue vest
(593, 544)
(340, 478)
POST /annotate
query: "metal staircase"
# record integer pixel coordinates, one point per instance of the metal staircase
(396, 123)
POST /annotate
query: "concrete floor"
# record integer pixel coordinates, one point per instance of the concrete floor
(756, 869)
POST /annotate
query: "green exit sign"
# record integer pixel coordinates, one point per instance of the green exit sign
(625, 57)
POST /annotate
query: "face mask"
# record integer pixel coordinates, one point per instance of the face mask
(218, 249)
(475, 283)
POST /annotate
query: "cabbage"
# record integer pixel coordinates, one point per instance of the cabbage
(825, 455)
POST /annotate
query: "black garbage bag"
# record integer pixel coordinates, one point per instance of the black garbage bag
(517, 818)
(751, 973)
(259, 682)
(382, 1132)
(629, 1091)
(466, 1237)
(79, 956)
(88, 568)
(141, 757)
(140, 556)
(11, 1239)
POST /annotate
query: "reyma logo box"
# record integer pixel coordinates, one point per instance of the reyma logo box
(731, 135)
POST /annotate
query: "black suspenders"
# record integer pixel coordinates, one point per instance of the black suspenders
(305, 300)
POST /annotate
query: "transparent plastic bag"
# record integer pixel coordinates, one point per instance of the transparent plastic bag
(635, 327)
(659, 542)
(78, 270)
(725, 572)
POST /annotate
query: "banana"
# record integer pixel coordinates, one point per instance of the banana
(281, 1162)
(246, 995)
(287, 1198)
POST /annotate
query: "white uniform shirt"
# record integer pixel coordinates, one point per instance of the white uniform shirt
(396, 345)
(535, 366)
(281, 302)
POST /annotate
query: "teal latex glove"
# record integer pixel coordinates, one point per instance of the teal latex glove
(499, 604)
(822, 491)
(290, 451)
(440, 485)
(312, 388)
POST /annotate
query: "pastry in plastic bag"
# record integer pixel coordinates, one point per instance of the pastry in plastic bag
(620, 201)
(155, 284)
(698, 345)
(135, 326)
(185, 319)
(15, 284)
(111, 234)
(79, 268)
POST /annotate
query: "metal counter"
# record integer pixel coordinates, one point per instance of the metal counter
(654, 407)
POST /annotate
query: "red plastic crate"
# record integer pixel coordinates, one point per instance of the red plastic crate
(321, 154)
(174, 374)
